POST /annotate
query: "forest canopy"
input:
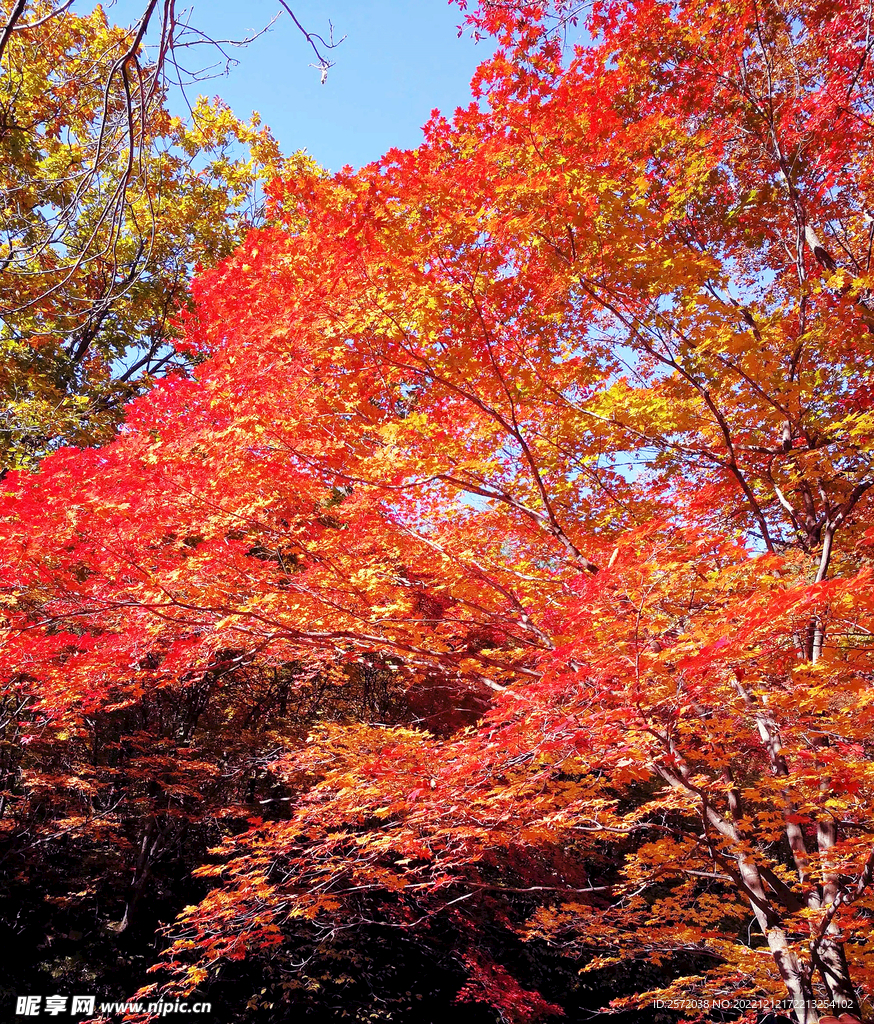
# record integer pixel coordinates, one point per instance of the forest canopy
(494, 593)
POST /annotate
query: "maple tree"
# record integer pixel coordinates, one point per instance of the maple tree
(561, 422)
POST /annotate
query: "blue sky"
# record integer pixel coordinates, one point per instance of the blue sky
(400, 60)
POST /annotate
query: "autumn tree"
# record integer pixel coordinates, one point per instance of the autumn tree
(568, 410)
(109, 204)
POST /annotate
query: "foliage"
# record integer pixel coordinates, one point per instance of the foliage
(109, 204)
(567, 412)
